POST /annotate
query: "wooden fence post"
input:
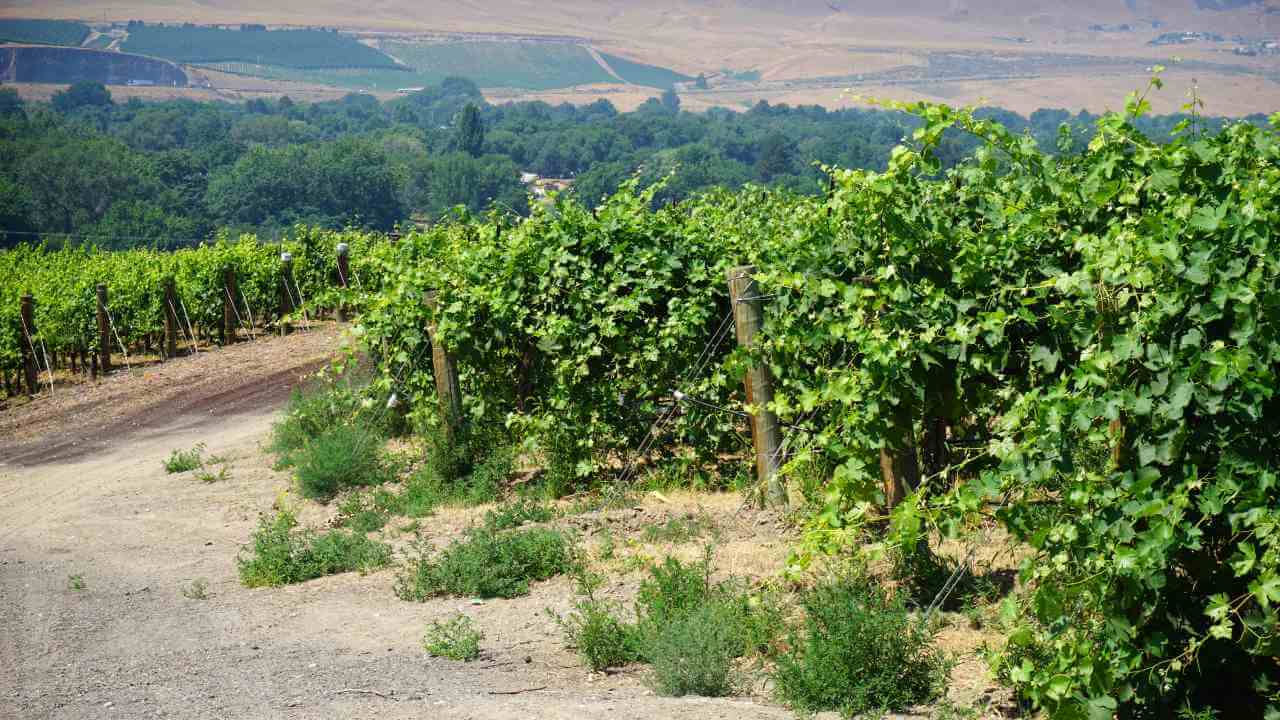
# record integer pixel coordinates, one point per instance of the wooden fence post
(748, 317)
(29, 350)
(229, 311)
(446, 373)
(286, 292)
(104, 331)
(170, 318)
(344, 272)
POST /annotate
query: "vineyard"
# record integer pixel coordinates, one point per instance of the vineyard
(285, 48)
(1082, 349)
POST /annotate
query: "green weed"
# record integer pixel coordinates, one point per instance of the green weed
(180, 461)
(516, 513)
(594, 627)
(456, 638)
(208, 476)
(344, 401)
(858, 650)
(281, 554)
(341, 457)
(76, 582)
(678, 530)
(486, 564)
(366, 513)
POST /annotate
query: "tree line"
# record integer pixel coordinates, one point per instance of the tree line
(132, 173)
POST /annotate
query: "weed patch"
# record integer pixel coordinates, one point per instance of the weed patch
(331, 403)
(366, 513)
(688, 629)
(208, 476)
(341, 457)
(456, 638)
(76, 582)
(180, 461)
(858, 650)
(487, 564)
(281, 554)
(678, 530)
(517, 513)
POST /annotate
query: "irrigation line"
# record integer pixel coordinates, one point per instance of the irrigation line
(123, 350)
(44, 351)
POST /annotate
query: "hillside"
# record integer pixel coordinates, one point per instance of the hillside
(1033, 54)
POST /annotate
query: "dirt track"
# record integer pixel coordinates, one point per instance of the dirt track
(82, 493)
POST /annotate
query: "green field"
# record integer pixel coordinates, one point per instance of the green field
(44, 32)
(284, 48)
(641, 74)
(354, 78)
(525, 65)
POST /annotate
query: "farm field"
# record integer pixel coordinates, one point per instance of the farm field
(50, 32)
(501, 64)
(289, 48)
(798, 47)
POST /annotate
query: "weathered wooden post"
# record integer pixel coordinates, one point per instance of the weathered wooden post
(170, 318)
(748, 318)
(229, 313)
(27, 310)
(286, 292)
(446, 373)
(344, 272)
(104, 331)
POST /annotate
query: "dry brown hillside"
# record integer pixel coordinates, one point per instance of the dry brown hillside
(1023, 54)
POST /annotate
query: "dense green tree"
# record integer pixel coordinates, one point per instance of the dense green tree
(470, 131)
(11, 105)
(81, 95)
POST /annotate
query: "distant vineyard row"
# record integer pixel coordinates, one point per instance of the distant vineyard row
(286, 48)
(45, 32)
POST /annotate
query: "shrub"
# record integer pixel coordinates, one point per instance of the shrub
(341, 457)
(281, 554)
(487, 564)
(456, 638)
(694, 654)
(180, 461)
(858, 650)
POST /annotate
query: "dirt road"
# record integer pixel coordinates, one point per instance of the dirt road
(84, 501)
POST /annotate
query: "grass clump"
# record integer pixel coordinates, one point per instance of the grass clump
(281, 554)
(487, 564)
(858, 650)
(456, 638)
(180, 461)
(516, 513)
(76, 582)
(341, 457)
